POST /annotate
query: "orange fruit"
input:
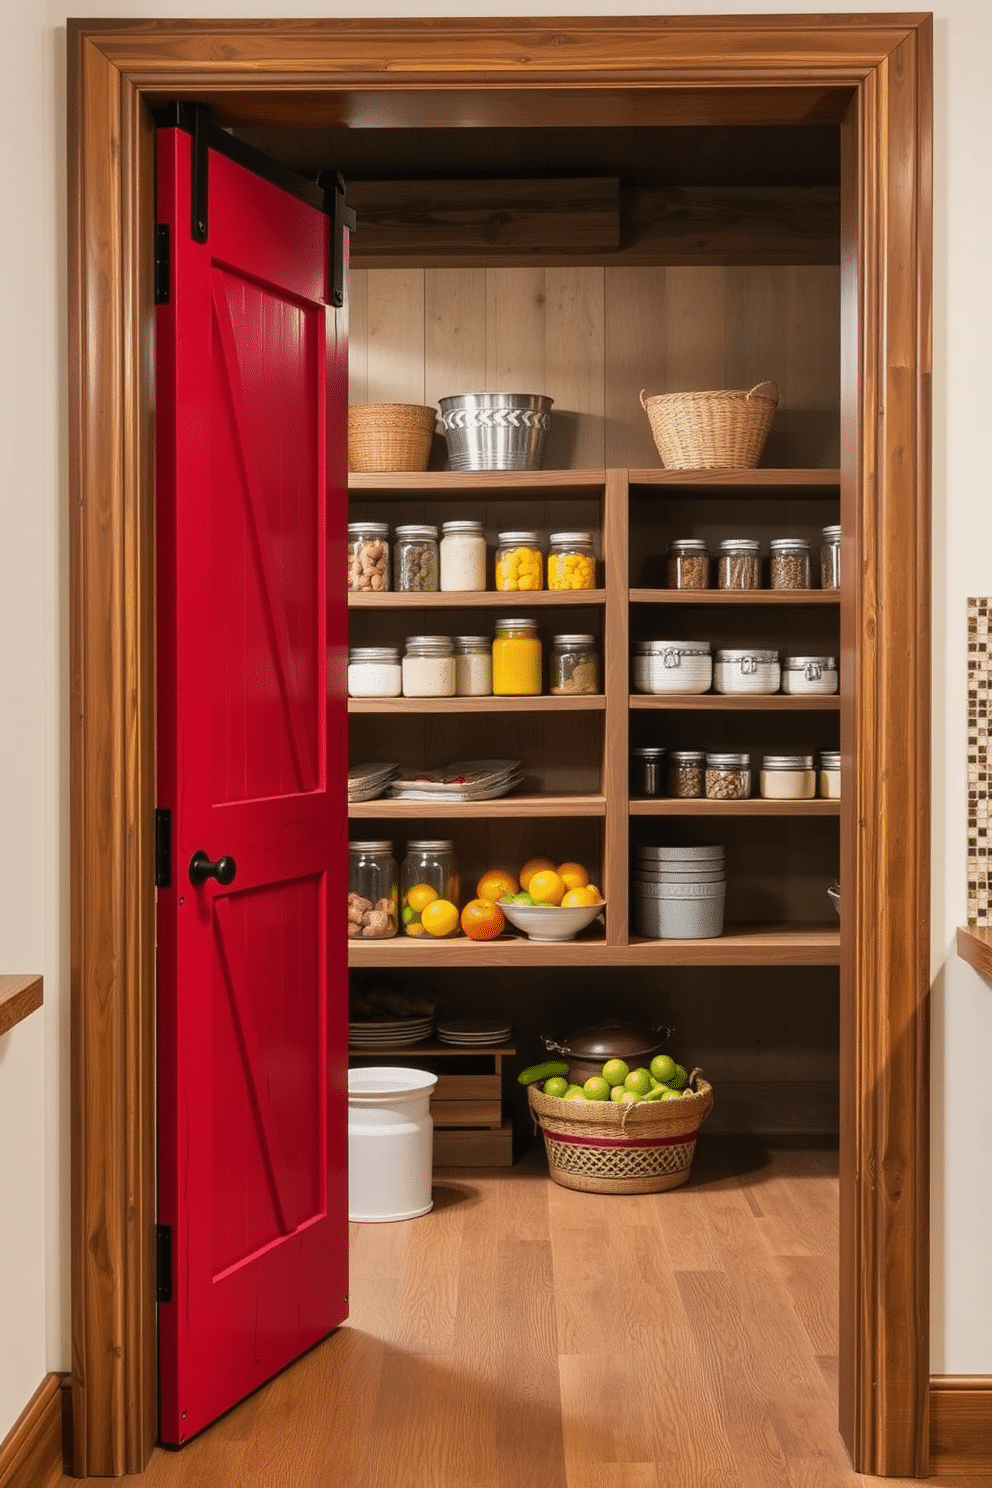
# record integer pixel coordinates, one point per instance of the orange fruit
(418, 896)
(482, 919)
(545, 887)
(573, 875)
(440, 918)
(532, 866)
(495, 883)
(592, 889)
(579, 898)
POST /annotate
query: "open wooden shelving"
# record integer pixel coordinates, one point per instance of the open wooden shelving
(736, 597)
(466, 705)
(503, 806)
(776, 702)
(755, 806)
(487, 599)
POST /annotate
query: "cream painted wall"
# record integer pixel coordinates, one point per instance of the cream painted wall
(34, 1298)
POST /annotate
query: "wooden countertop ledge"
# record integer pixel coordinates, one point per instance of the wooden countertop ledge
(975, 947)
(19, 995)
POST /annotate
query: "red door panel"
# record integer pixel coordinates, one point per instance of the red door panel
(251, 513)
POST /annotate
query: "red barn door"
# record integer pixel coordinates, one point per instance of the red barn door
(251, 512)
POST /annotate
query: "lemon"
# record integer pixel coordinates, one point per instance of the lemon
(440, 917)
(638, 1081)
(663, 1068)
(615, 1071)
(419, 896)
(573, 875)
(597, 1089)
(545, 887)
(578, 898)
(532, 866)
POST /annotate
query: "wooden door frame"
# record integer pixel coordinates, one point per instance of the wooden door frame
(740, 69)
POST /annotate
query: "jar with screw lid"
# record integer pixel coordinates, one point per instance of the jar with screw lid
(429, 872)
(728, 777)
(813, 675)
(830, 558)
(789, 565)
(828, 780)
(686, 774)
(374, 671)
(373, 897)
(368, 556)
(571, 561)
(647, 770)
(787, 777)
(462, 556)
(739, 564)
(687, 564)
(473, 666)
(415, 559)
(517, 658)
(429, 667)
(574, 665)
(519, 562)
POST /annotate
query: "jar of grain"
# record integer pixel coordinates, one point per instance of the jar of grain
(429, 667)
(747, 671)
(789, 565)
(428, 872)
(728, 777)
(647, 771)
(374, 671)
(373, 891)
(473, 666)
(517, 659)
(519, 563)
(415, 559)
(787, 777)
(687, 565)
(462, 556)
(739, 564)
(571, 561)
(574, 665)
(828, 782)
(686, 774)
(814, 676)
(830, 558)
(368, 556)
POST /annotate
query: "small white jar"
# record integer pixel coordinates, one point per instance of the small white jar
(429, 667)
(828, 779)
(374, 671)
(747, 671)
(787, 777)
(473, 666)
(814, 676)
(672, 667)
(463, 556)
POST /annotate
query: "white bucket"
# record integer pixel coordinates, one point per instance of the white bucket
(390, 1144)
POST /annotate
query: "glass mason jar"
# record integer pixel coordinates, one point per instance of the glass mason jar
(739, 564)
(647, 771)
(828, 781)
(789, 565)
(519, 563)
(787, 777)
(374, 671)
(373, 908)
(728, 777)
(415, 559)
(429, 872)
(517, 658)
(686, 774)
(429, 666)
(571, 561)
(462, 556)
(473, 666)
(687, 565)
(574, 665)
(368, 556)
(830, 559)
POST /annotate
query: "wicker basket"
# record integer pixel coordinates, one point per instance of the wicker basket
(390, 436)
(599, 1147)
(712, 431)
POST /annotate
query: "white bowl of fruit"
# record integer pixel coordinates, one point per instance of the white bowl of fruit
(552, 901)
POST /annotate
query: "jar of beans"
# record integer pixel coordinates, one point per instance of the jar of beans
(571, 561)
(728, 777)
(739, 564)
(687, 565)
(686, 774)
(789, 566)
(830, 558)
(415, 559)
(519, 562)
(368, 556)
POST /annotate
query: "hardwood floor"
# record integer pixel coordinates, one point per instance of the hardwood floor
(524, 1336)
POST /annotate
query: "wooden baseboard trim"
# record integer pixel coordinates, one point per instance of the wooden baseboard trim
(960, 1424)
(31, 1453)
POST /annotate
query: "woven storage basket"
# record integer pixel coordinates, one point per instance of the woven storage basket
(390, 436)
(599, 1147)
(712, 431)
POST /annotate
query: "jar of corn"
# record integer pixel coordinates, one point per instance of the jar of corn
(519, 563)
(571, 561)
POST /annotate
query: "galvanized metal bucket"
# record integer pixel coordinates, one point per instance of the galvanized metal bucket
(496, 431)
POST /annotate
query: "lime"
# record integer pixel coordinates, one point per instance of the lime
(596, 1088)
(576, 1094)
(639, 1081)
(615, 1071)
(672, 1095)
(617, 1094)
(680, 1077)
(630, 1098)
(557, 1085)
(663, 1067)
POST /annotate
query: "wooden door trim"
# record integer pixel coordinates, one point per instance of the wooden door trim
(275, 69)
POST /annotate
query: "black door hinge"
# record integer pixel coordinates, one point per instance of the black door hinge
(161, 263)
(163, 1263)
(163, 848)
(343, 220)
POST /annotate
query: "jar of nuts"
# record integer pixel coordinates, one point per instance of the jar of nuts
(686, 772)
(368, 555)
(739, 565)
(373, 891)
(728, 777)
(687, 565)
(415, 559)
(789, 566)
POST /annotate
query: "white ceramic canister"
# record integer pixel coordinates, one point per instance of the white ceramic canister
(429, 667)
(787, 777)
(390, 1144)
(374, 671)
(473, 666)
(813, 675)
(672, 666)
(747, 671)
(463, 556)
(828, 778)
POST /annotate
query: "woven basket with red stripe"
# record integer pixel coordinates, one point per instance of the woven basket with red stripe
(599, 1147)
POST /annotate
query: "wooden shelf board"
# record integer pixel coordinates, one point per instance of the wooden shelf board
(504, 806)
(19, 996)
(542, 704)
(482, 599)
(755, 807)
(433, 1047)
(748, 597)
(742, 945)
(741, 482)
(974, 945)
(438, 484)
(771, 702)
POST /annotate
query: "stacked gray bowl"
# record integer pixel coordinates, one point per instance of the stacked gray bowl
(678, 893)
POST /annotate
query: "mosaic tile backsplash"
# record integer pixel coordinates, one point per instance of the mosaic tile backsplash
(979, 677)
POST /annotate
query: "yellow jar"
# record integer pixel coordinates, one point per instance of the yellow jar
(571, 561)
(519, 564)
(516, 659)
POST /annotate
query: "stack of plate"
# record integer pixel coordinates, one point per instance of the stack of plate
(467, 1032)
(395, 1032)
(365, 782)
(463, 780)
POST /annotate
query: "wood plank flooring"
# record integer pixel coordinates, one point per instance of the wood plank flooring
(524, 1336)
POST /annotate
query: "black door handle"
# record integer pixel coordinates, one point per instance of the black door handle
(201, 868)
